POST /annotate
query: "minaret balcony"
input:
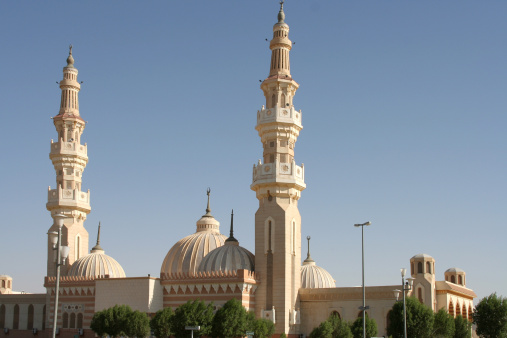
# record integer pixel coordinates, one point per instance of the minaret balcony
(283, 173)
(70, 198)
(69, 149)
(279, 115)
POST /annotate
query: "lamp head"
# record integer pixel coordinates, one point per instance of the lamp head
(59, 219)
(53, 237)
(403, 272)
(410, 281)
(64, 253)
(396, 294)
(362, 224)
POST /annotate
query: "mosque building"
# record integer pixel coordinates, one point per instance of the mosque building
(208, 265)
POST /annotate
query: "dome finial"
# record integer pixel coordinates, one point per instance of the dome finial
(97, 246)
(231, 235)
(70, 59)
(308, 257)
(208, 210)
(281, 14)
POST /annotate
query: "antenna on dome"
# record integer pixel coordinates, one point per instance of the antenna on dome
(97, 246)
(308, 257)
(231, 234)
(208, 210)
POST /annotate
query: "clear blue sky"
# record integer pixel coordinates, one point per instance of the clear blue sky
(404, 114)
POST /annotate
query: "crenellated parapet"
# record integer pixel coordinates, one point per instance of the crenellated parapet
(281, 120)
(69, 198)
(210, 275)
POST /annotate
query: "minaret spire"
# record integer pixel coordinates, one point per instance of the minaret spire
(281, 14)
(97, 246)
(308, 257)
(208, 210)
(231, 234)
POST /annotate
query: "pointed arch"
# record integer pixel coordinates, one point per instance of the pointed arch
(77, 247)
(470, 311)
(15, 322)
(30, 317)
(420, 294)
(293, 237)
(453, 279)
(420, 267)
(72, 324)
(65, 320)
(2, 316)
(458, 309)
(451, 308)
(79, 321)
(460, 280)
(428, 267)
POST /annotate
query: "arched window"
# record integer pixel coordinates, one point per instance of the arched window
(72, 321)
(79, 321)
(9, 284)
(451, 308)
(283, 100)
(464, 311)
(269, 235)
(419, 294)
(65, 318)
(273, 101)
(78, 247)
(411, 268)
(428, 267)
(30, 317)
(3, 284)
(420, 267)
(458, 309)
(335, 314)
(2, 316)
(447, 278)
(470, 318)
(460, 280)
(453, 279)
(15, 322)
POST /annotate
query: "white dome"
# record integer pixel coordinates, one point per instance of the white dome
(313, 276)
(96, 264)
(230, 257)
(186, 255)
(454, 270)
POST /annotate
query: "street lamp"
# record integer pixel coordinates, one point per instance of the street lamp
(364, 307)
(61, 253)
(405, 286)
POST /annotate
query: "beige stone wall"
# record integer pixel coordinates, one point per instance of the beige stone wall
(140, 293)
(22, 321)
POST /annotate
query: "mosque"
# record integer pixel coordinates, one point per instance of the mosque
(207, 265)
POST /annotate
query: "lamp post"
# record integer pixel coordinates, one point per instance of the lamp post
(405, 286)
(364, 307)
(61, 255)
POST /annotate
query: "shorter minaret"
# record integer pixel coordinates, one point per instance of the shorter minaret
(69, 159)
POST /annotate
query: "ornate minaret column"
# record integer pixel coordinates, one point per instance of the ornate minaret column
(278, 183)
(69, 159)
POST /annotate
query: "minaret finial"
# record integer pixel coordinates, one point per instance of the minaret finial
(98, 232)
(281, 14)
(231, 235)
(308, 257)
(70, 59)
(208, 210)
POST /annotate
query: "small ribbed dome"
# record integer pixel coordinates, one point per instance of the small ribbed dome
(423, 255)
(313, 276)
(455, 270)
(227, 258)
(186, 255)
(96, 264)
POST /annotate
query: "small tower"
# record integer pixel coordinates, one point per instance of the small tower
(422, 269)
(5, 285)
(69, 159)
(278, 183)
(456, 276)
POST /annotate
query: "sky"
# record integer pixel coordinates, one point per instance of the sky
(404, 125)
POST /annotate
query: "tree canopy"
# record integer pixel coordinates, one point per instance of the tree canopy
(490, 316)
(161, 323)
(231, 320)
(193, 313)
(419, 319)
(443, 325)
(463, 328)
(120, 320)
(371, 327)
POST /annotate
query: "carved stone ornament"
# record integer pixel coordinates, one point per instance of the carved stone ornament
(268, 112)
(266, 169)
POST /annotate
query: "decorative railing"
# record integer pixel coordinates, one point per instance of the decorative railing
(278, 172)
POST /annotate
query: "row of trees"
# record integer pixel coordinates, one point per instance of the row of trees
(231, 320)
(490, 317)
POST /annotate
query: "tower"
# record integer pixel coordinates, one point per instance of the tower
(278, 183)
(69, 159)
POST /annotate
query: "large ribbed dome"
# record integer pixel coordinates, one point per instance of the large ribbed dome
(96, 264)
(313, 276)
(186, 255)
(227, 258)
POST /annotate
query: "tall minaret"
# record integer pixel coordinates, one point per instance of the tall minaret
(278, 183)
(69, 158)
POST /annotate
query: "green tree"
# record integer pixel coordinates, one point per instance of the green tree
(371, 327)
(419, 319)
(283, 335)
(443, 325)
(324, 330)
(192, 313)
(263, 328)
(490, 316)
(138, 324)
(99, 323)
(463, 328)
(341, 329)
(231, 320)
(161, 323)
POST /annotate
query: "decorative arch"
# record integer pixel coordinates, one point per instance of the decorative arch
(458, 309)
(77, 247)
(293, 237)
(451, 308)
(269, 235)
(65, 319)
(15, 322)
(412, 268)
(460, 280)
(453, 279)
(420, 294)
(428, 267)
(420, 267)
(2, 316)
(79, 321)
(470, 312)
(3, 283)
(72, 324)
(464, 311)
(30, 317)
(273, 101)
(335, 314)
